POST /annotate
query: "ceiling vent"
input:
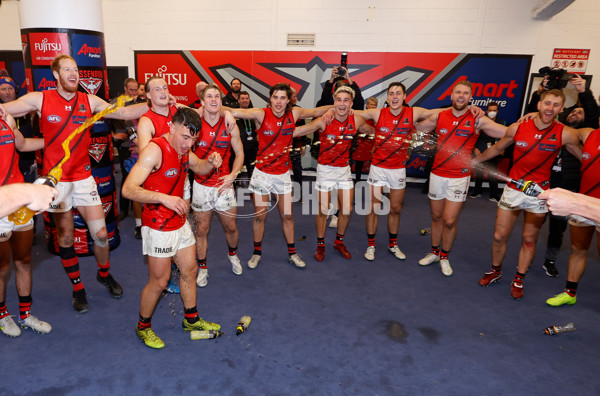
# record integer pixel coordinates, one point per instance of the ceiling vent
(301, 40)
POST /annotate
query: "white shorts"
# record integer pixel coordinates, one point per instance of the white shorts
(450, 188)
(517, 200)
(166, 243)
(580, 221)
(263, 183)
(208, 198)
(187, 189)
(333, 177)
(383, 177)
(74, 194)
(7, 227)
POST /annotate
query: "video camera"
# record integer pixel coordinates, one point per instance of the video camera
(557, 78)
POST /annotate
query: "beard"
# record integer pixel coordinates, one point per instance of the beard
(64, 83)
(460, 108)
(236, 89)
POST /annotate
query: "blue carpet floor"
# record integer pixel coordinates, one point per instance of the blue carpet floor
(339, 327)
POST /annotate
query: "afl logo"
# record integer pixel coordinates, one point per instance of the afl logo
(268, 133)
(171, 172)
(586, 156)
(443, 131)
(384, 129)
(54, 118)
(521, 143)
(201, 143)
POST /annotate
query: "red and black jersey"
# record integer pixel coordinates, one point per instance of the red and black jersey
(456, 138)
(169, 179)
(213, 138)
(392, 138)
(535, 152)
(162, 124)
(590, 165)
(9, 159)
(274, 142)
(336, 141)
(59, 118)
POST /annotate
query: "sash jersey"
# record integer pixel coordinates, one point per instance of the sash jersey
(535, 151)
(59, 118)
(162, 124)
(168, 179)
(274, 142)
(456, 139)
(9, 159)
(392, 138)
(364, 146)
(213, 138)
(590, 166)
(336, 141)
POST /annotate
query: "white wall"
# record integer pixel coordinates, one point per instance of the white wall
(476, 26)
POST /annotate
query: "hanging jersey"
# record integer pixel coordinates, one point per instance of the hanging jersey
(392, 138)
(456, 138)
(9, 159)
(59, 118)
(162, 124)
(336, 141)
(213, 139)
(535, 151)
(274, 142)
(169, 179)
(590, 165)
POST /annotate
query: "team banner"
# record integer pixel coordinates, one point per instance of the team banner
(428, 77)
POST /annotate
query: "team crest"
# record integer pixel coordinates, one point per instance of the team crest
(406, 122)
(91, 85)
(468, 124)
(97, 151)
(553, 137)
(106, 206)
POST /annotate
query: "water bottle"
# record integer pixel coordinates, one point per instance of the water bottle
(205, 334)
(243, 325)
(25, 214)
(553, 330)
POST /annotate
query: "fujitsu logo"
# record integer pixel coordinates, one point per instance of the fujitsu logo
(92, 51)
(47, 46)
(170, 78)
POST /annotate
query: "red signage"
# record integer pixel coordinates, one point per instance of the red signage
(46, 46)
(572, 60)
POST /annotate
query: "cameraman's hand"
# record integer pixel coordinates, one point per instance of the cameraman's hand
(578, 82)
(333, 74)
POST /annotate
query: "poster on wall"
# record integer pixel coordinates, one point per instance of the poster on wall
(428, 77)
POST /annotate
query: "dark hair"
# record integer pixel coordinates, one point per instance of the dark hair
(244, 93)
(397, 84)
(282, 87)
(189, 118)
(492, 103)
(234, 80)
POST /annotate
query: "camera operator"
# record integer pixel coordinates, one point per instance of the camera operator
(566, 172)
(340, 77)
